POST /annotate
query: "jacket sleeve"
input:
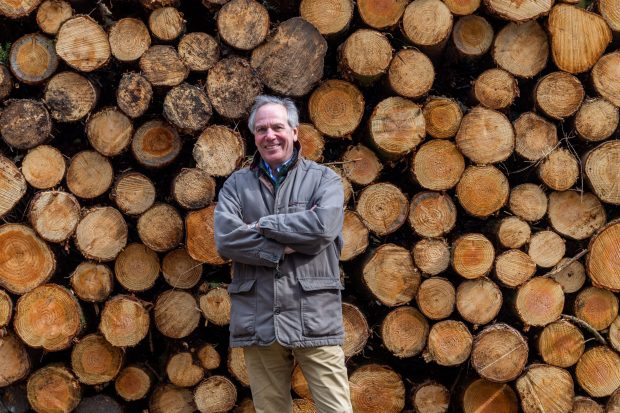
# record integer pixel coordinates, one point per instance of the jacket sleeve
(234, 239)
(312, 230)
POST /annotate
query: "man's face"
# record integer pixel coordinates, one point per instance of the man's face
(273, 136)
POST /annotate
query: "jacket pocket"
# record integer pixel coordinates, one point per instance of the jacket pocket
(321, 306)
(243, 308)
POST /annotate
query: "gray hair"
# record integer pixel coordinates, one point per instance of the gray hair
(292, 113)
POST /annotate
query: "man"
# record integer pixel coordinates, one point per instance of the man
(280, 222)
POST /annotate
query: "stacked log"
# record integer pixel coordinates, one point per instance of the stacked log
(478, 148)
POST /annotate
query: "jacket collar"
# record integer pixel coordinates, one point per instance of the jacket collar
(256, 159)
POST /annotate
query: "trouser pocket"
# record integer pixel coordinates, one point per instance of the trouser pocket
(243, 308)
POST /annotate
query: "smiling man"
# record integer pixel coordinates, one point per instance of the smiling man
(280, 222)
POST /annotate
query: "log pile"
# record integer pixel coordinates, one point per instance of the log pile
(479, 151)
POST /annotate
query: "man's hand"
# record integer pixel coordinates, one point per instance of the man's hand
(288, 250)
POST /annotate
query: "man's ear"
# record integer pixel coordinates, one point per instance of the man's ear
(295, 131)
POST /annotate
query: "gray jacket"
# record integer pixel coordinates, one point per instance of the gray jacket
(292, 298)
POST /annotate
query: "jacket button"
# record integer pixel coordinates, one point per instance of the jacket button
(276, 310)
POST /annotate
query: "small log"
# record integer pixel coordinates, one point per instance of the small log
(160, 228)
(51, 14)
(381, 15)
(383, 208)
(133, 383)
(155, 4)
(496, 89)
(478, 301)
(129, 39)
(559, 170)
(546, 248)
(598, 371)
(430, 397)
(499, 353)
(53, 389)
(32, 58)
(578, 37)
(376, 388)
(614, 334)
(95, 361)
(365, 56)
(609, 11)
(54, 215)
(89, 174)
(571, 275)
(605, 78)
(299, 384)
(166, 23)
(291, 61)
(443, 117)
(6, 82)
(582, 404)
(535, 137)
(193, 188)
(472, 36)
(92, 282)
(168, 398)
(330, 17)
(355, 236)
(243, 24)
(602, 265)
(180, 270)
(396, 127)
(109, 131)
(6, 311)
(539, 301)
(483, 396)
(182, 371)
(463, 7)
(162, 66)
(528, 202)
(431, 255)
(485, 136)
(472, 255)
(432, 214)
(246, 405)
(303, 406)
(411, 73)
(236, 366)
(513, 232)
(347, 188)
(601, 171)
(176, 313)
(360, 165)
(156, 144)
(514, 267)
(48, 317)
(83, 44)
(597, 307)
(596, 120)
(16, 9)
(124, 321)
(219, 150)
(215, 306)
(336, 108)
(559, 94)
(404, 331)
(482, 190)
(546, 388)
(200, 236)
(232, 87)
(528, 10)
(137, 267)
(188, 108)
(101, 234)
(449, 343)
(134, 94)
(574, 215)
(199, 51)
(390, 276)
(25, 123)
(15, 360)
(13, 185)
(70, 96)
(521, 49)
(133, 193)
(26, 261)
(99, 404)
(427, 24)
(312, 142)
(215, 394)
(356, 331)
(561, 344)
(208, 356)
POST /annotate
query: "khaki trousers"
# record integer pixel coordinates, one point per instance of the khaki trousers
(270, 370)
